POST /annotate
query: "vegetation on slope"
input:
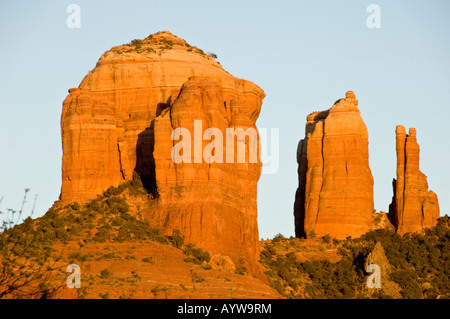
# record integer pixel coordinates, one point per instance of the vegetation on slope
(158, 44)
(420, 265)
(31, 265)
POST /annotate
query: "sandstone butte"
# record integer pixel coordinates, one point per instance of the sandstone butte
(120, 119)
(335, 193)
(413, 206)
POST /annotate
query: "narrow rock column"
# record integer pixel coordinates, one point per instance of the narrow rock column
(413, 207)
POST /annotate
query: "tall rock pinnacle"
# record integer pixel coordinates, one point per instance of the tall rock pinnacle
(335, 193)
(413, 206)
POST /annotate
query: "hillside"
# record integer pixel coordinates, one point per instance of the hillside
(122, 256)
(419, 265)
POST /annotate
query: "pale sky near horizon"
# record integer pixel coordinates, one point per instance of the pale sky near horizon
(304, 54)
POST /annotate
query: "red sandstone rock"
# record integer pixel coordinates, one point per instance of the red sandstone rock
(413, 207)
(335, 194)
(107, 123)
(212, 204)
(121, 119)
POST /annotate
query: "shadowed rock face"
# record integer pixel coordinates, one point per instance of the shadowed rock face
(413, 206)
(121, 118)
(335, 193)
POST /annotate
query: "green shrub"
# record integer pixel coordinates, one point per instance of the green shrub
(176, 239)
(212, 55)
(79, 257)
(103, 234)
(407, 280)
(197, 278)
(267, 253)
(104, 295)
(148, 260)
(278, 238)
(326, 239)
(241, 270)
(196, 255)
(112, 191)
(105, 273)
(137, 43)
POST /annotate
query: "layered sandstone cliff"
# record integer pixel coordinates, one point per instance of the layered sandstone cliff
(107, 123)
(121, 118)
(413, 206)
(335, 193)
(211, 200)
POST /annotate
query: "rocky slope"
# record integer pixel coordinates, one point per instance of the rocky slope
(378, 257)
(154, 271)
(119, 254)
(335, 193)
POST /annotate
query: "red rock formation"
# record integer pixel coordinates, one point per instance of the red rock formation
(413, 207)
(335, 194)
(121, 118)
(107, 123)
(212, 204)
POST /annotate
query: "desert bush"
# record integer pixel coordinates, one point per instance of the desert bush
(197, 278)
(148, 260)
(137, 43)
(240, 270)
(326, 239)
(407, 280)
(28, 266)
(196, 255)
(112, 191)
(278, 238)
(103, 234)
(105, 273)
(176, 239)
(212, 55)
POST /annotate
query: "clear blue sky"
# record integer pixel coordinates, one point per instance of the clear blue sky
(304, 54)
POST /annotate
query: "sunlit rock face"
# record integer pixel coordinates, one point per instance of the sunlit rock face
(120, 120)
(413, 206)
(335, 193)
